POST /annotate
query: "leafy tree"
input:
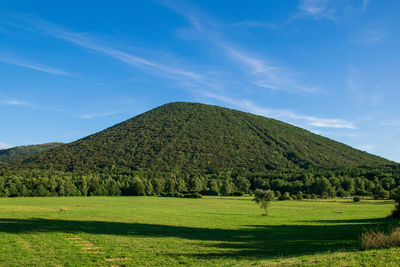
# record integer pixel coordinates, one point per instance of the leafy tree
(381, 193)
(227, 188)
(242, 184)
(195, 184)
(149, 188)
(263, 198)
(213, 187)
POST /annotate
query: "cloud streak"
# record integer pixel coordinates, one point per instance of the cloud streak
(98, 115)
(4, 146)
(282, 114)
(96, 45)
(12, 60)
(364, 6)
(267, 75)
(358, 89)
(17, 103)
(256, 24)
(317, 9)
(371, 36)
(262, 72)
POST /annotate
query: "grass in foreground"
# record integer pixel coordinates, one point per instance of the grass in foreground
(151, 231)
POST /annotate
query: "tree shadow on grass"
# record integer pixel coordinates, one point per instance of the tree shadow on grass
(252, 241)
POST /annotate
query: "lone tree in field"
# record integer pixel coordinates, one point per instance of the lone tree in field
(263, 198)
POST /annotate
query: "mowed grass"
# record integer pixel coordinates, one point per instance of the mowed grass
(213, 231)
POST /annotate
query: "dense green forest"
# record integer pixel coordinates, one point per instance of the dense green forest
(23, 151)
(189, 147)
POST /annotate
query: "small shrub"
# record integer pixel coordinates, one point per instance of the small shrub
(164, 194)
(379, 239)
(192, 195)
(285, 196)
(357, 199)
(176, 194)
(300, 195)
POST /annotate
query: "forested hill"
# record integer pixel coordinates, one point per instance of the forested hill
(23, 151)
(187, 148)
(201, 138)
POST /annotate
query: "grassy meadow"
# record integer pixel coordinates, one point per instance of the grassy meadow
(212, 231)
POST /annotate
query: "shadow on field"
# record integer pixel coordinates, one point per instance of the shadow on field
(253, 241)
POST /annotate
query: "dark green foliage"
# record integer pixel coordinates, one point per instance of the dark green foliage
(227, 187)
(381, 193)
(213, 188)
(185, 195)
(285, 196)
(137, 187)
(300, 195)
(357, 199)
(396, 197)
(396, 211)
(188, 147)
(23, 151)
(202, 138)
(192, 195)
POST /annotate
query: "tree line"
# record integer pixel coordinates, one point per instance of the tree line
(379, 183)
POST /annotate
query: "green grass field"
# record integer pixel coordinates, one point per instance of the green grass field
(154, 231)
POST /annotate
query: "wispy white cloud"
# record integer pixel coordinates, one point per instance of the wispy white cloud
(332, 10)
(327, 123)
(366, 147)
(97, 115)
(359, 90)
(364, 6)
(371, 36)
(98, 45)
(4, 146)
(12, 60)
(318, 9)
(256, 24)
(390, 123)
(267, 75)
(14, 102)
(254, 64)
(261, 71)
(282, 114)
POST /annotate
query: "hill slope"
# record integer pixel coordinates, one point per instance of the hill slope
(183, 148)
(23, 151)
(190, 136)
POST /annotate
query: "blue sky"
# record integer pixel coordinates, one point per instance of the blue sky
(71, 68)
